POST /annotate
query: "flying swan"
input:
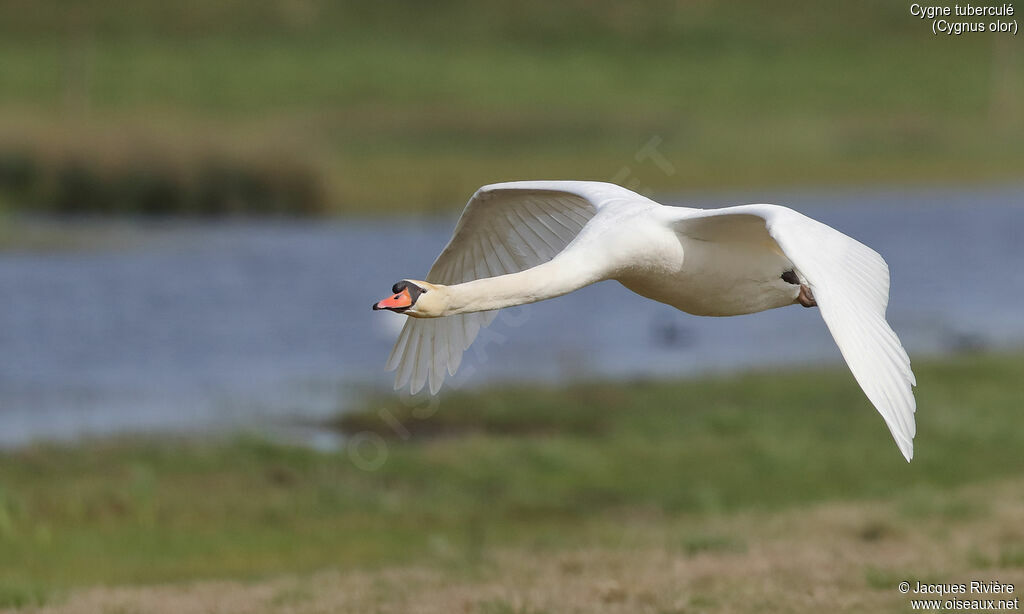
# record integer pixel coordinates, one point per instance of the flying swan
(527, 241)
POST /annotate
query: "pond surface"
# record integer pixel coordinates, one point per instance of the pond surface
(206, 326)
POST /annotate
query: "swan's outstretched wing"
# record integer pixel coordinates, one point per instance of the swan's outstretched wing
(850, 282)
(505, 228)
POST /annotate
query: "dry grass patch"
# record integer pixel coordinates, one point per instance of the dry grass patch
(837, 557)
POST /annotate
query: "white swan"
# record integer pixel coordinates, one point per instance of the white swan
(526, 241)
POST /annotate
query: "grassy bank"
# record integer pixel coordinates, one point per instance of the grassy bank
(356, 107)
(833, 557)
(545, 470)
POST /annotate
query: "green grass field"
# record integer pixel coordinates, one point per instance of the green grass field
(504, 481)
(354, 107)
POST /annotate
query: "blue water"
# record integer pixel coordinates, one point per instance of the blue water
(198, 327)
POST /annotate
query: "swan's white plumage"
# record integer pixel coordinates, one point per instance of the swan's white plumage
(850, 282)
(505, 228)
(712, 262)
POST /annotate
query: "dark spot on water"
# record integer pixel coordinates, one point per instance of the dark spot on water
(671, 335)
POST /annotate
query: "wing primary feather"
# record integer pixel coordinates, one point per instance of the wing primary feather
(889, 340)
(480, 261)
(439, 359)
(471, 323)
(455, 344)
(509, 262)
(568, 228)
(570, 225)
(530, 222)
(541, 216)
(516, 244)
(399, 350)
(884, 384)
(465, 271)
(868, 284)
(404, 374)
(535, 244)
(571, 211)
(877, 390)
(419, 369)
(490, 258)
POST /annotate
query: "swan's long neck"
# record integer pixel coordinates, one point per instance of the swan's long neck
(560, 276)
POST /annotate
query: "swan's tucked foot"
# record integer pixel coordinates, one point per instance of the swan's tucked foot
(806, 297)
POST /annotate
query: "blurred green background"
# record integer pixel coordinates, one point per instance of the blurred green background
(310, 106)
(735, 489)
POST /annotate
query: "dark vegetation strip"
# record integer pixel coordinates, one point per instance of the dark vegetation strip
(214, 108)
(152, 185)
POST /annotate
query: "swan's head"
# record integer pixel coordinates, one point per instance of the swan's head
(415, 298)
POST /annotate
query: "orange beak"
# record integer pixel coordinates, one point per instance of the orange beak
(401, 300)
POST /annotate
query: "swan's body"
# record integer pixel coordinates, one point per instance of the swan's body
(523, 242)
